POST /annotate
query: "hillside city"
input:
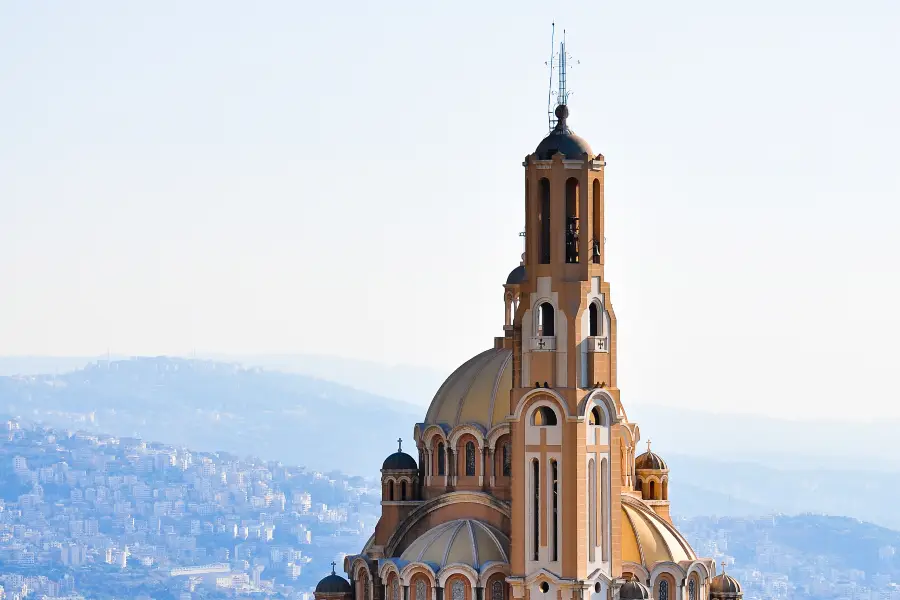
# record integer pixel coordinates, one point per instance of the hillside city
(84, 515)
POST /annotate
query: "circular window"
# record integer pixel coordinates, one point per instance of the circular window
(545, 587)
(597, 588)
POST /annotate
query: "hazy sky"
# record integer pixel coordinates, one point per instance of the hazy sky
(345, 178)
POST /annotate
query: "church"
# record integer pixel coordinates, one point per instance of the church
(529, 483)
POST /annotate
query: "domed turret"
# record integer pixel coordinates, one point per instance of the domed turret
(650, 461)
(634, 590)
(651, 479)
(333, 587)
(563, 140)
(399, 476)
(724, 586)
(399, 461)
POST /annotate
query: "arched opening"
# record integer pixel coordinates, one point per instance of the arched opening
(692, 589)
(506, 457)
(546, 324)
(403, 490)
(597, 217)
(497, 591)
(592, 510)
(652, 490)
(594, 319)
(665, 489)
(421, 588)
(604, 511)
(663, 590)
(441, 459)
(470, 459)
(535, 506)
(572, 220)
(395, 588)
(544, 221)
(458, 589)
(544, 416)
(554, 509)
(390, 491)
(596, 417)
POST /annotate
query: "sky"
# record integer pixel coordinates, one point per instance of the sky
(346, 179)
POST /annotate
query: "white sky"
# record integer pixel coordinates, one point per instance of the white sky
(345, 178)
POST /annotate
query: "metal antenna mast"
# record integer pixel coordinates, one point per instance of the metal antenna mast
(559, 61)
(551, 117)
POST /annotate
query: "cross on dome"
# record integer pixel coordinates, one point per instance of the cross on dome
(399, 444)
(648, 444)
(333, 565)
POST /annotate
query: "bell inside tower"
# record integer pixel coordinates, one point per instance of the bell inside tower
(572, 202)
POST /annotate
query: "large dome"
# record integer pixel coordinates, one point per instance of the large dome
(477, 392)
(464, 541)
(648, 539)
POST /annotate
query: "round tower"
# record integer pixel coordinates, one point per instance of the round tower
(651, 479)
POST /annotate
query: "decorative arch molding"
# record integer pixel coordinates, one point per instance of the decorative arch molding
(386, 568)
(548, 395)
(495, 434)
(354, 564)
(458, 569)
(700, 568)
(490, 569)
(604, 400)
(638, 570)
(438, 503)
(412, 569)
(430, 432)
(598, 575)
(674, 569)
(460, 430)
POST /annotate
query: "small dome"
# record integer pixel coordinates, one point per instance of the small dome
(399, 460)
(333, 584)
(516, 276)
(650, 461)
(562, 139)
(464, 541)
(477, 392)
(634, 590)
(648, 539)
(724, 585)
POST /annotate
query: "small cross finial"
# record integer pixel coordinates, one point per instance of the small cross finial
(723, 566)
(648, 444)
(333, 565)
(399, 444)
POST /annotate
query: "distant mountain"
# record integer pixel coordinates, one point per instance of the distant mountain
(218, 405)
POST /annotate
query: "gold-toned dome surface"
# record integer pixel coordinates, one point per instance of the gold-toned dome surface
(648, 539)
(476, 392)
(464, 541)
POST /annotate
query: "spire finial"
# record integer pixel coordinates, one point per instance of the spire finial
(333, 565)
(399, 444)
(649, 441)
(723, 567)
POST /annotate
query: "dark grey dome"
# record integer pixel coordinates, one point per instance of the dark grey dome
(634, 590)
(562, 139)
(333, 584)
(516, 276)
(399, 461)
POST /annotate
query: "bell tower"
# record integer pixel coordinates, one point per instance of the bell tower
(564, 404)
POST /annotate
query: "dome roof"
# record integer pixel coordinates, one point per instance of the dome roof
(399, 461)
(725, 585)
(516, 276)
(333, 584)
(648, 539)
(463, 541)
(634, 590)
(477, 392)
(562, 139)
(650, 460)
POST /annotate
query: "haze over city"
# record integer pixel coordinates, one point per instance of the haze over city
(318, 178)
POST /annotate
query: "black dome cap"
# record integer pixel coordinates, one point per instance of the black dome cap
(562, 139)
(399, 461)
(333, 584)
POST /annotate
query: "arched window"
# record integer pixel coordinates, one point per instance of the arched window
(572, 220)
(366, 595)
(594, 317)
(597, 218)
(546, 325)
(391, 490)
(592, 510)
(544, 416)
(442, 459)
(536, 506)
(692, 589)
(544, 221)
(497, 590)
(663, 590)
(395, 589)
(554, 514)
(470, 459)
(506, 456)
(421, 589)
(458, 590)
(403, 490)
(665, 489)
(652, 490)
(596, 416)
(604, 507)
